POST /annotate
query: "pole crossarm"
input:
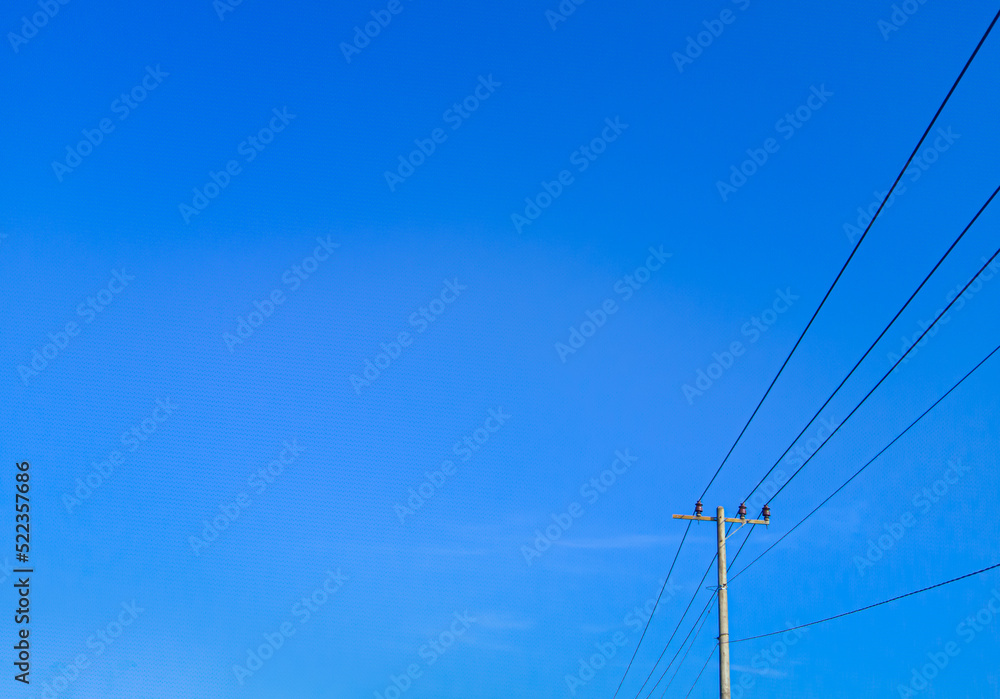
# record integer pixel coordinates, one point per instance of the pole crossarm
(734, 520)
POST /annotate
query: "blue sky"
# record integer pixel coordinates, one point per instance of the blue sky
(365, 378)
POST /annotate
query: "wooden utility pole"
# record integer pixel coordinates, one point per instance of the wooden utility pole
(720, 520)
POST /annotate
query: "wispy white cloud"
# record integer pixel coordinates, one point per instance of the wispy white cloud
(454, 551)
(503, 621)
(619, 542)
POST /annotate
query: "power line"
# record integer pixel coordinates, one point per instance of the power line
(870, 461)
(882, 451)
(655, 605)
(870, 606)
(877, 340)
(808, 325)
(702, 613)
(676, 628)
(695, 683)
(868, 395)
(856, 246)
(706, 613)
(698, 633)
(898, 361)
(874, 388)
(667, 668)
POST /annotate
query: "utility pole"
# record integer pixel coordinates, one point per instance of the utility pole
(720, 520)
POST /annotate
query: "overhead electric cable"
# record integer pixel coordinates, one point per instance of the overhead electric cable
(706, 614)
(702, 613)
(667, 668)
(822, 302)
(876, 341)
(847, 482)
(695, 683)
(870, 606)
(898, 361)
(891, 369)
(870, 461)
(676, 628)
(655, 605)
(856, 246)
